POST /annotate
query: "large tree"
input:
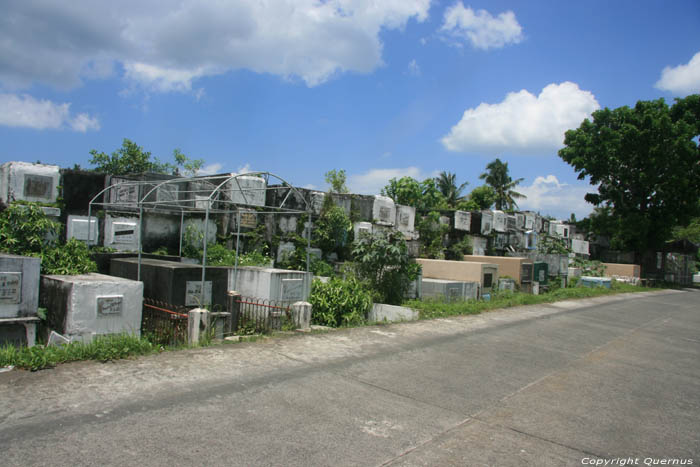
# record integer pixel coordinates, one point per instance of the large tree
(424, 196)
(447, 184)
(132, 159)
(497, 177)
(645, 162)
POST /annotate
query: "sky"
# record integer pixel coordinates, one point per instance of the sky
(380, 89)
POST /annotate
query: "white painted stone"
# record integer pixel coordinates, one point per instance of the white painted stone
(405, 218)
(248, 189)
(530, 221)
(449, 290)
(271, 283)
(317, 199)
(19, 286)
(288, 224)
(381, 312)
(383, 210)
(520, 220)
(580, 247)
(93, 304)
(463, 220)
(77, 227)
(360, 228)
(22, 181)
(301, 315)
(122, 233)
(499, 221)
(486, 222)
(57, 340)
(197, 325)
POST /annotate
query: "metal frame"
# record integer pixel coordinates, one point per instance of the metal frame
(218, 199)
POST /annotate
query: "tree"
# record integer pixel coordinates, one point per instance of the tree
(645, 161)
(447, 184)
(424, 196)
(336, 179)
(497, 177)
(132, 159)
(480, 198)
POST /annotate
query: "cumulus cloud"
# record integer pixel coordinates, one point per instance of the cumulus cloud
(550, 196)
(522, 122)
(167, 45)
(210, 169)
(683, 79)
(372, 181)
(27, 112)
(480, 28)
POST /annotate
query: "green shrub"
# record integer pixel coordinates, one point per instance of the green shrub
(69, 259)
(339, 302)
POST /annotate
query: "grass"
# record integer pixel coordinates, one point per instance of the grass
(431, 309)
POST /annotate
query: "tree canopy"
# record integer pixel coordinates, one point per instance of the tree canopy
(497, 177)
(480, 198)
(337, 179)
(424, 196)
(132, 159)
(645, 162)
(447, 184)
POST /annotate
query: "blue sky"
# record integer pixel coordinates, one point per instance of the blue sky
(298, 87)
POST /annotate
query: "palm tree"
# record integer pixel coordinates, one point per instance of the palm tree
(447, 184)
(497, 176)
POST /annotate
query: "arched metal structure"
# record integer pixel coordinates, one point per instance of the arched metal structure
(208, 195)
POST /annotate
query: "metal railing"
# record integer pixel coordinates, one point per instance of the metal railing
(254, 315)
(163, 323)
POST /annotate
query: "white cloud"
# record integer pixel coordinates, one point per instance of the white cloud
(413, 68)
(551, 197)
(480, 28)
(27, 112)
(683, 79)
(372, 181)
(168, 45)
(210, 169)
(522, 123)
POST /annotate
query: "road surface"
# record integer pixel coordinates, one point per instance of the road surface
(614, 378)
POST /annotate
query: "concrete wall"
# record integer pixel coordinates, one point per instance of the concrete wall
(270, 283)
(448, 290)
(507, 265)
(19, 286)
(624, 270)
(29, 182)
(462, 271)
(83, 306)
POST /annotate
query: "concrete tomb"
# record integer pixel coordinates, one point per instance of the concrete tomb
(518, 268)
(122, 233)
(81, 228)
(499, 221)
(381, 312)
(22, 181)
(463, 220)
(405, 219)
(580, 247)
(486, 222)
(285, 251)
(83, 306)
(486, 274)
(270, 283)
(360, 228)
(248, 190)
(383, 211)
(449, 290)
(19, 286)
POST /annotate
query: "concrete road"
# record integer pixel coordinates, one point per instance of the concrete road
(615, 378)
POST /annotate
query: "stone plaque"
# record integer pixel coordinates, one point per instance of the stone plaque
(249, 219)
(404, 219)
(110, 305)
(193, 294)
(10, 287)
(292, 289)
(49, 211)
(124, 194)
(384, 214)
(38, 186)
(80, 229)
(463, 220)
(124, 232)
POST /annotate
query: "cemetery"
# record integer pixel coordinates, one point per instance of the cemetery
(241, 253)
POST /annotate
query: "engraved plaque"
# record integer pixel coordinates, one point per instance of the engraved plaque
(124, 194)
(384, 213)
(80, 229)
(193, 294)
(404, 218)
(463, 220)
(124, 232)
(10, 287)
(249, 219)
(292, 289)
(38, 186)
(110, 305)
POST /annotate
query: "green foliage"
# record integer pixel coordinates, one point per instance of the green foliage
(424, 196)
(548, 244)
(644, 161)
(339, 302)
(25, 229)
(480, 198)
(69, 259)
(218, 254)
(497, 177)
(332, 231)
(432, 234)
(457, 250)
(336, 179)
(589, 267)
(132, 159)
(447, 185)
(104, 348)
(382, 261)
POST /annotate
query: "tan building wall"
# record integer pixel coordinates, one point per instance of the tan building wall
(626, 270)
(458, 270)
(507, 266)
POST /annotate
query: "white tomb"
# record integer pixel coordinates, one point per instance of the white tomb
(383, 210)
(463, 220)
(248, 189)
(122, 233)
(83, 229)
(22, 181)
